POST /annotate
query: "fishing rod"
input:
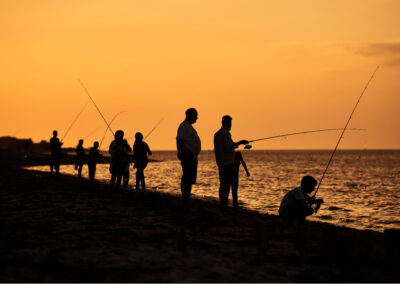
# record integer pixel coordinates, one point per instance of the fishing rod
(91, 133)
(148, 134)
(302, 132)
(105, 132)
(344, 129)
(154, 128)
(73, 122)
(102, 116)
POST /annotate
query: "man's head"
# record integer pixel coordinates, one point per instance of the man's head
(55, 133)
(96, 145)
(139, 136)
(119, 135)
(80, 141)
(227, 121)
(191, 115)
(308, 184)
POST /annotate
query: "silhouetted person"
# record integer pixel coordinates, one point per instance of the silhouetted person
(235, 182)
(224, 148)
(296, 205)
(119, 149)
(140, 151)
(92, 160)
(188, 146)
(55, 157)
(80, 157)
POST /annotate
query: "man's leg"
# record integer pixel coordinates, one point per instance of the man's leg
(235, 194)
(189, 171)
(126, 179)
(186, 190)
(119, 178)
(142, 180)
(80, 170)
(226, 176)
(225, 187)
(91, 172)
(57, 168)
(113, 178)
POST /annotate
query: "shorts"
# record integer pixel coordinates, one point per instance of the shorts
(189, 169)
(226, 173)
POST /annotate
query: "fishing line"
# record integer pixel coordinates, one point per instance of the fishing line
(91, 133)
(108, 126)
(73, 122)
(344, 129)
(105, 132)
(154, 128)
(302, 132)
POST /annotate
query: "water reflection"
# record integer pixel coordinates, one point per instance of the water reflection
(361, 188)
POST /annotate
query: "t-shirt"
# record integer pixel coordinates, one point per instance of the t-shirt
(290, 197)
(93, 155)
(140, 150)
(55, 146)
(189, 137)
(224, 147)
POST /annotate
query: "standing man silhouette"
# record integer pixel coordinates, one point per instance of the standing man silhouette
(80, 157)
(92, 160)
(189, 146)
(55, 157)
(140, 151)
(224, 149)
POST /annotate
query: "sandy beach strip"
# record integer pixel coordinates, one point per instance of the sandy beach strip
(67, 230)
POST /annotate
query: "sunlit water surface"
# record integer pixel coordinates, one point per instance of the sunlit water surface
(361, 188)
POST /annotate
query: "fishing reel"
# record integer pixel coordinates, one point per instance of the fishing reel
(248, 147)
(319, 202)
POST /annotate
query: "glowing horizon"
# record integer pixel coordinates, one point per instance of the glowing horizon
(275, 66)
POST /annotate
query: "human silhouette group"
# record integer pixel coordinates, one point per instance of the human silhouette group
(295, 206)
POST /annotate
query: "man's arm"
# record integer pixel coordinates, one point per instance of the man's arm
(241, 142)
(148, 149)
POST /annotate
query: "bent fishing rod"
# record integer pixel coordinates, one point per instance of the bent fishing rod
(302, 132)
(148, 134)
(73, 121)
(91, 133)
(111, 121)
(344, 129)
(154, 128)
(102, 116)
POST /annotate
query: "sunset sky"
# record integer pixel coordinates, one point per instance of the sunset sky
(275, 66)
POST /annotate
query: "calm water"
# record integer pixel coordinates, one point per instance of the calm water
(361, 188)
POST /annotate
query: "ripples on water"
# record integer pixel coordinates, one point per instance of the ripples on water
(360, 189)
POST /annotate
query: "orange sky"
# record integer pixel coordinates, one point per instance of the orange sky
(275, 66)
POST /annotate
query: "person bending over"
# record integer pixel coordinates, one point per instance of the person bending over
(296, 205)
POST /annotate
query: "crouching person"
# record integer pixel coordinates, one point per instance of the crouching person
(296, 205)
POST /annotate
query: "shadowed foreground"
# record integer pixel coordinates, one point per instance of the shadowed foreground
(68, 231)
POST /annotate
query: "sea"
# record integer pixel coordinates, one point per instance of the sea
(361, 188)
